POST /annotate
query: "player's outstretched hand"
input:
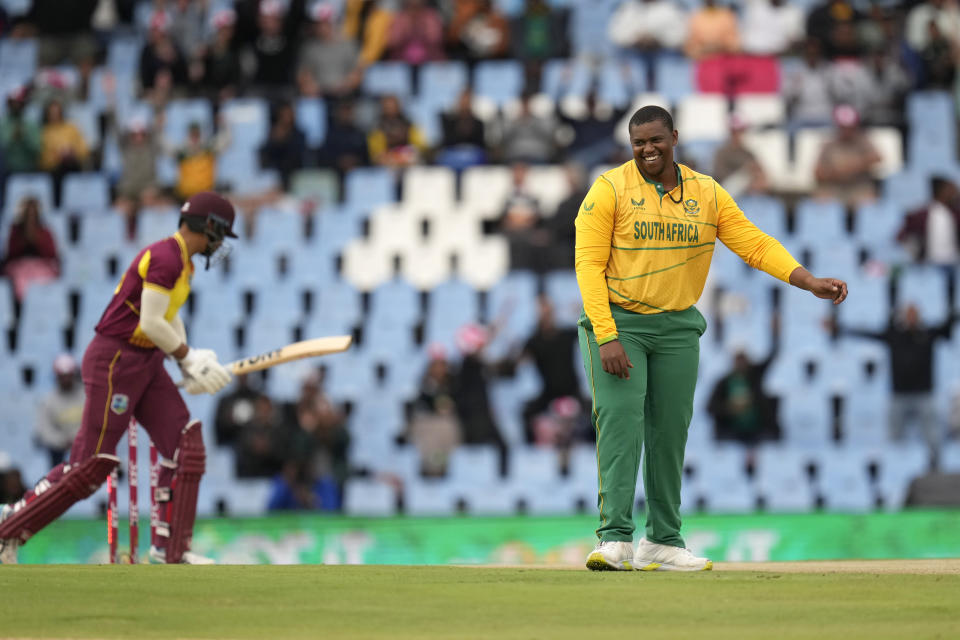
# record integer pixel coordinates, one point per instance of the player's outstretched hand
(826, 288)
(829, 289)
(203, 373)
(615, 360)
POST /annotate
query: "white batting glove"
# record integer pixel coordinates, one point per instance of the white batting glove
(202, 372)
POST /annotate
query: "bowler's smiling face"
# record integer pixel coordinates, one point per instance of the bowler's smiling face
(652, 144)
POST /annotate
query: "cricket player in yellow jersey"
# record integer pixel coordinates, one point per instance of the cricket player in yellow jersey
(645, 236)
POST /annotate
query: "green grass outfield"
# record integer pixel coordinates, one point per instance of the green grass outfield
(273, 602)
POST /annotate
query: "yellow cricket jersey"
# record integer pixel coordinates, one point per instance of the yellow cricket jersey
(639, 249)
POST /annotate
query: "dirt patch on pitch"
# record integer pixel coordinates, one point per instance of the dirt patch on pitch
(926, 566)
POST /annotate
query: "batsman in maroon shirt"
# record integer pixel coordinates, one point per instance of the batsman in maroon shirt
(124, 376)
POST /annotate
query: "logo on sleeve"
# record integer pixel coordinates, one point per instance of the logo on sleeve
(691, 207)
(119, 403)
(587, 208)
(637, 204)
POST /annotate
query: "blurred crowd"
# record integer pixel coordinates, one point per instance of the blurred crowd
(842, 64)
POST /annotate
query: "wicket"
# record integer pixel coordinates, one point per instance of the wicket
(133, 510)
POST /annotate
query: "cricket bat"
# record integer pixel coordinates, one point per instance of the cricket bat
(289, 353)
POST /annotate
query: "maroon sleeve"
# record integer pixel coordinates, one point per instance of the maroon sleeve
(165, 265)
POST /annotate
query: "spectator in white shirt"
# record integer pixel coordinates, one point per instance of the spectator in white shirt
(61, 411)
(771, 27)
(946, 15)
(648, 28)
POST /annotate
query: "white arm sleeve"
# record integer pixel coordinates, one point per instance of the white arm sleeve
(153, 304)
(178, 326)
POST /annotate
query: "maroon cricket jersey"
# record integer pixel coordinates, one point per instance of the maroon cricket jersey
(164, 266)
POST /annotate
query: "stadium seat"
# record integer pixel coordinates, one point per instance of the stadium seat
(368, 497)
(364, 266)
(674, 77)
(425, 266)
(18, 60)
(85, 193)
(898, 464)
(248, 120)
(511, 306)
(393, 229)
(388, 78)
(549, 185)
(760, 110)
(767, 213)
(395, 302)
(816, 220)
(907, 190)
(618, 81)
(23, 185)
(842, 479)
(925, 287)
(429, 498)
(85, 118)
(442, 82)
(319, 186)
(311, 116)
(434, 186)
(772, 149)
(563, 77)
(781, 478)
(486, 187)
(181, 113)
(486, 263)
(805, 417)
(498, 80)
(563, 291)
(719, 479)
(889, 144)
(807, 146)
(369, 187)
(473, 466)
(702, 117)
(950, 457)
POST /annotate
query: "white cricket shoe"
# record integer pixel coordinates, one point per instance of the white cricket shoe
(8, 547)
(611, 556)
(159, 556)
(651, 556)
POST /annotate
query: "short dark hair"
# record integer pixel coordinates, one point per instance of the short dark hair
(651, 113)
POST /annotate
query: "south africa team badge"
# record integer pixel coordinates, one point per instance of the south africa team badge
(691, 207)
(119, 403)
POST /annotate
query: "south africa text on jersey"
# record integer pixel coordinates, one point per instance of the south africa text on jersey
(669, 231)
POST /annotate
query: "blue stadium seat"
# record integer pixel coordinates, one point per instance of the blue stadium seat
(511, 304)
(450, 306)
(533, 466)
(907, 190)
(369, 187)
(18, 60)
(805, 416)
(499, 80)
(868, 304)
(312, 119)
(564, 292)
(351, 376)
(23, 185)
(950, 457)
(767, 213)
(875, 227)
(383, 340)
(248, 120)
(369, 497)
(429, 498)
(674, 76)
(181, 113)
(818, 219)
(85, 192)
(899, 463)
(85, 117)
(474, 466)
(781, 478)
(719, 479)
(123, 53)
(618, 81)
(925, 287)
(394, 302)
(842, 479)
(388, 78)
(566, 77)
(588, 27)
(442, 82)
(425, 114)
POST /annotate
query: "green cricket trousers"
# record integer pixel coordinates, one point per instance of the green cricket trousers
(649, 413)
